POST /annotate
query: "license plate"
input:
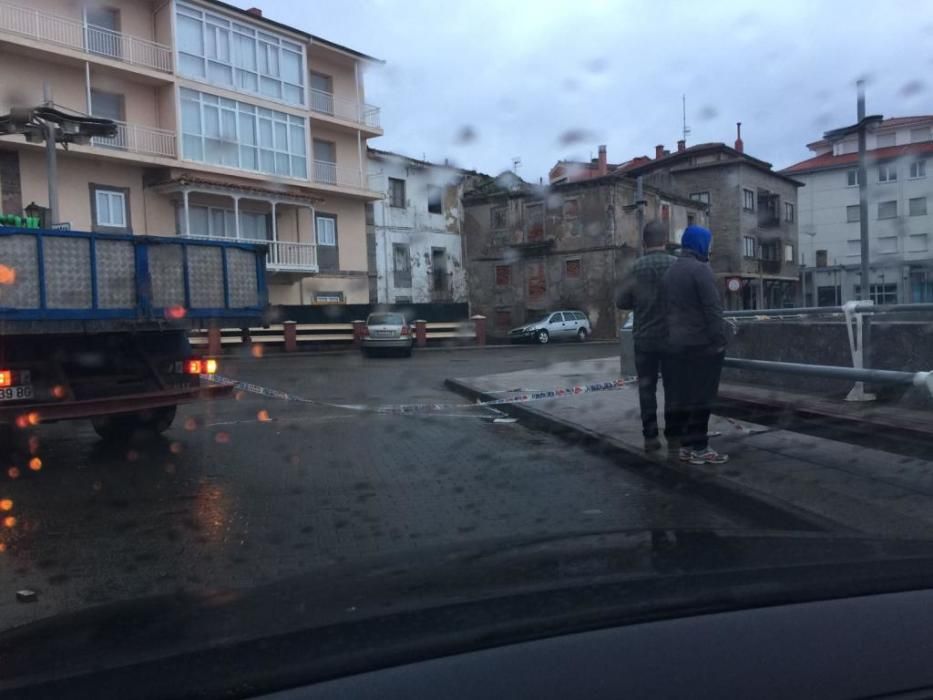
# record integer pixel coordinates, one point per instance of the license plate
(15, 393)
(386, 334)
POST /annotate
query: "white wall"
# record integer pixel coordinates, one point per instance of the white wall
(417, 228)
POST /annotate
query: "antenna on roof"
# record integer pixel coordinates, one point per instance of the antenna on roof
(516, 161)
(686, 129)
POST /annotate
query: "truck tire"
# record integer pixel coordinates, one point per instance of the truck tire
(125, 426)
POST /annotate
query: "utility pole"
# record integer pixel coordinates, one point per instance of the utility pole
(51, 156)
(865, 286)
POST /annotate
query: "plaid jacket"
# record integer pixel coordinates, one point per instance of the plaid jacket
(643, 292)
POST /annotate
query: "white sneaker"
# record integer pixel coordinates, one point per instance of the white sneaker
(684, 454)
(708, 456)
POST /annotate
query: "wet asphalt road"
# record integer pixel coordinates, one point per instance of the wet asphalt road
(252, 490)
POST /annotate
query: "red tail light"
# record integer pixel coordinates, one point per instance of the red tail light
(6, 378)
(199, 366)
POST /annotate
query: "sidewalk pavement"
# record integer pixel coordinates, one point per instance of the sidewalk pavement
(821, 483)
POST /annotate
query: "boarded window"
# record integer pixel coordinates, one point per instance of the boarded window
(439, 269)
(572, 269)
(401, 265)
(534, 222)
(918, 206)
(537, 282)
(498, 218)
(396, 193)
(887, 210)
(503, 275)
(821, 258)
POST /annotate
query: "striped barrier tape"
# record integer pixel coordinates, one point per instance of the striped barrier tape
(407, 409)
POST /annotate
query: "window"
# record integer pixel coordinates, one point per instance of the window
(853, 213)
(887, 172)
(828, 296)
(571, 208)
(665, 212)
(328, 298)
(102, 23)
(917, 243)
(220, 222)
(435, 200)
(534, 222)
(700, 197)
(322, 93)
(887, 244)
(788, 212)
(852, 177)
(691, 219)
(886, 140)
(880, 293)
(770, 251)
(396, 193)
(236, 56)
(822, 258)
(537, 282)
(572, 269)
(401, 265)
(917, 206)
(854, 247)
(788, 253)
(918, 168)
(556, 318)
(107, 105)
(751, 247)
(439, 269)
(498, 218)
(108, 209)
(748, 200)
(920, 134)
(325, 161)
(503, 275)
(503, 319)
(887, 210)
(328, 257)
(234, 134)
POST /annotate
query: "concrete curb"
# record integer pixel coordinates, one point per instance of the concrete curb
(278, 354)
(746, 502)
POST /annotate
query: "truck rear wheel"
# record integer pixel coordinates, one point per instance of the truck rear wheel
(125, 426)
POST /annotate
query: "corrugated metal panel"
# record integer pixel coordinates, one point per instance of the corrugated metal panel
(116, 275)
(205, 277)
(18, 253)
(167, 274)
(67, 263)
(241, 278)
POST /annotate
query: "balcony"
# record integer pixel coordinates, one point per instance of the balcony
(327, 173)
(143, 140)
(348, 110)
(74, 34)
(285, 256)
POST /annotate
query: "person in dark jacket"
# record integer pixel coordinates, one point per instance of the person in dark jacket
(697, 336)
(642, 292)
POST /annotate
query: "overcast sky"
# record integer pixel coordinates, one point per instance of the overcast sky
(481, 82)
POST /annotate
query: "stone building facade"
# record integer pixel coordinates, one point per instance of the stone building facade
(531, 249)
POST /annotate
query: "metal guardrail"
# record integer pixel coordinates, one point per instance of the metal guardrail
(875, 376)
(144, 140)
(327, 103)
(860, 307)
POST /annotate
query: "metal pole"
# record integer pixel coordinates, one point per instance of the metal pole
(51, 166)
(639, 198)
(880, 376)
(865, 285)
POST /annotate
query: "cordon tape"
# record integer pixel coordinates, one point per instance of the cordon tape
(523, 396)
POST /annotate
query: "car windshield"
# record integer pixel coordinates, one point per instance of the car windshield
(386, 320)
(275, 292)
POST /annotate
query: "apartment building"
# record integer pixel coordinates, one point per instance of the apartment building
(230, 125)
(532, 249)
(900, 214)
(415, 242)
(752, 213)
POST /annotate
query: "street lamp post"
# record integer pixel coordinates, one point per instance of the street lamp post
(865, 286)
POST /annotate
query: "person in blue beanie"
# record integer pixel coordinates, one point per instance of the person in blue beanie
(697, 337)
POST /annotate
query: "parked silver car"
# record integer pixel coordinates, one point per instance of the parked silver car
(557, 325)
(387, 331)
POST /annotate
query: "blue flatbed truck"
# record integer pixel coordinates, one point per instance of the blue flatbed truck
(94, 326)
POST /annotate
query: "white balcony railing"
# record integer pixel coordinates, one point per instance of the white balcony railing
(144, 140)
(282, 256)
(75, 34)
(291, 257)
(351, 110)
(327, 173)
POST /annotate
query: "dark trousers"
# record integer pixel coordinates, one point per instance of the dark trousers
(649, 364)
(695, 385)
